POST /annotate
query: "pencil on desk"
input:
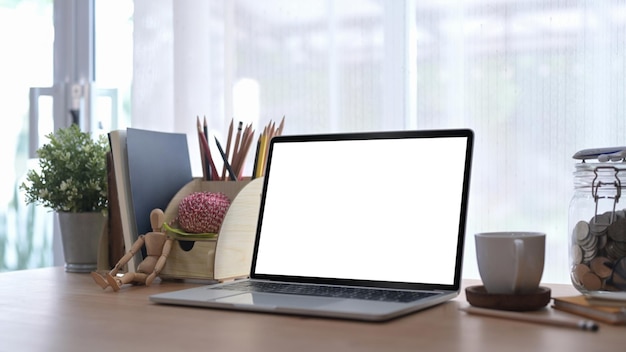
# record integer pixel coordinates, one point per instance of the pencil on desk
(587, 325)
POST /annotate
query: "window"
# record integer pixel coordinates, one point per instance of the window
(25, 232)
(27, 239)
(537, 81)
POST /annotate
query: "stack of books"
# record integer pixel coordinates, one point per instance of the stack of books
(602, 310)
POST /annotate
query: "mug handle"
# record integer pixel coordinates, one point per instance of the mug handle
(519, 254)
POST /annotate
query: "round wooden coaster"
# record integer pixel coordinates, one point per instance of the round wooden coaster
(479, 297)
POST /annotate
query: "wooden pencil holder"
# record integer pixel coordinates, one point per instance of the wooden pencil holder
(228, 256)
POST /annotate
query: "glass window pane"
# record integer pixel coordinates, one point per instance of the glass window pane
(113, 62)
(317, 61)
(537, 81)
(28, 35)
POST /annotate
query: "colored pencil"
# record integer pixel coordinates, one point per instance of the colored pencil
(211, 169)
(205, 169)
(231, 173)
(228, 144)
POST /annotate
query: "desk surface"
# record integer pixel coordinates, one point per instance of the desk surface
(48, 309)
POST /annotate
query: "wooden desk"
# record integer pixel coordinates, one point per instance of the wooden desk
(50, 310)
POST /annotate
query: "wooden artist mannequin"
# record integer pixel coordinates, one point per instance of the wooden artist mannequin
(158, 247)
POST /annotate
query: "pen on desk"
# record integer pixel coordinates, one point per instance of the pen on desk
(231, 173)
(587, 325)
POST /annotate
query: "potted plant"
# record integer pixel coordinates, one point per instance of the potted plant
(72, 181)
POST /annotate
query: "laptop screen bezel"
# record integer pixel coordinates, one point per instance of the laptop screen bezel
(468, 134)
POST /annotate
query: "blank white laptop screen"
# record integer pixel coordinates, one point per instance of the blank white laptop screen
(352, 209)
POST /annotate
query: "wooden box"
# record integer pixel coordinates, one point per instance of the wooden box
(228, 256)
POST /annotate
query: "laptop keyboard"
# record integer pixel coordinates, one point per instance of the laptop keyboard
(371, 294)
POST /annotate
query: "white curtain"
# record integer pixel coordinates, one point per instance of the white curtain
(536, 80)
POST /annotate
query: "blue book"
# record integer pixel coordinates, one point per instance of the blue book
(158, 167)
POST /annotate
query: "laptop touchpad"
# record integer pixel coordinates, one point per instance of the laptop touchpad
(271, 301)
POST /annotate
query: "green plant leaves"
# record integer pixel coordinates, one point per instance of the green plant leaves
(72, 175)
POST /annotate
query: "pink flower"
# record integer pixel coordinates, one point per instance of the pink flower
(202, 212)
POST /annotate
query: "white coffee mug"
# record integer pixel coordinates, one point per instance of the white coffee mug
(510, 262)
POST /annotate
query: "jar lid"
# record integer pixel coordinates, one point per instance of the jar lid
(591, 166)
(604, 165)
(601, 154)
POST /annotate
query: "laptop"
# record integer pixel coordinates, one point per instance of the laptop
(367, 226)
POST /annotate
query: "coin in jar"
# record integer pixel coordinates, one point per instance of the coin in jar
(589, 254)
(618, 277)
(591, 281)
(579, 271)
(620, 248)
(580, 231)
(577, 254)
(589, 242)
(620, 245)
(602, 241)
(599, 223)
(601, 266)
(613, 251)
(617, 230)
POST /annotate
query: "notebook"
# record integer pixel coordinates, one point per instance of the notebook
(366, 226)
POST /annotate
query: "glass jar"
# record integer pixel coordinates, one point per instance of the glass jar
(597, 227)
